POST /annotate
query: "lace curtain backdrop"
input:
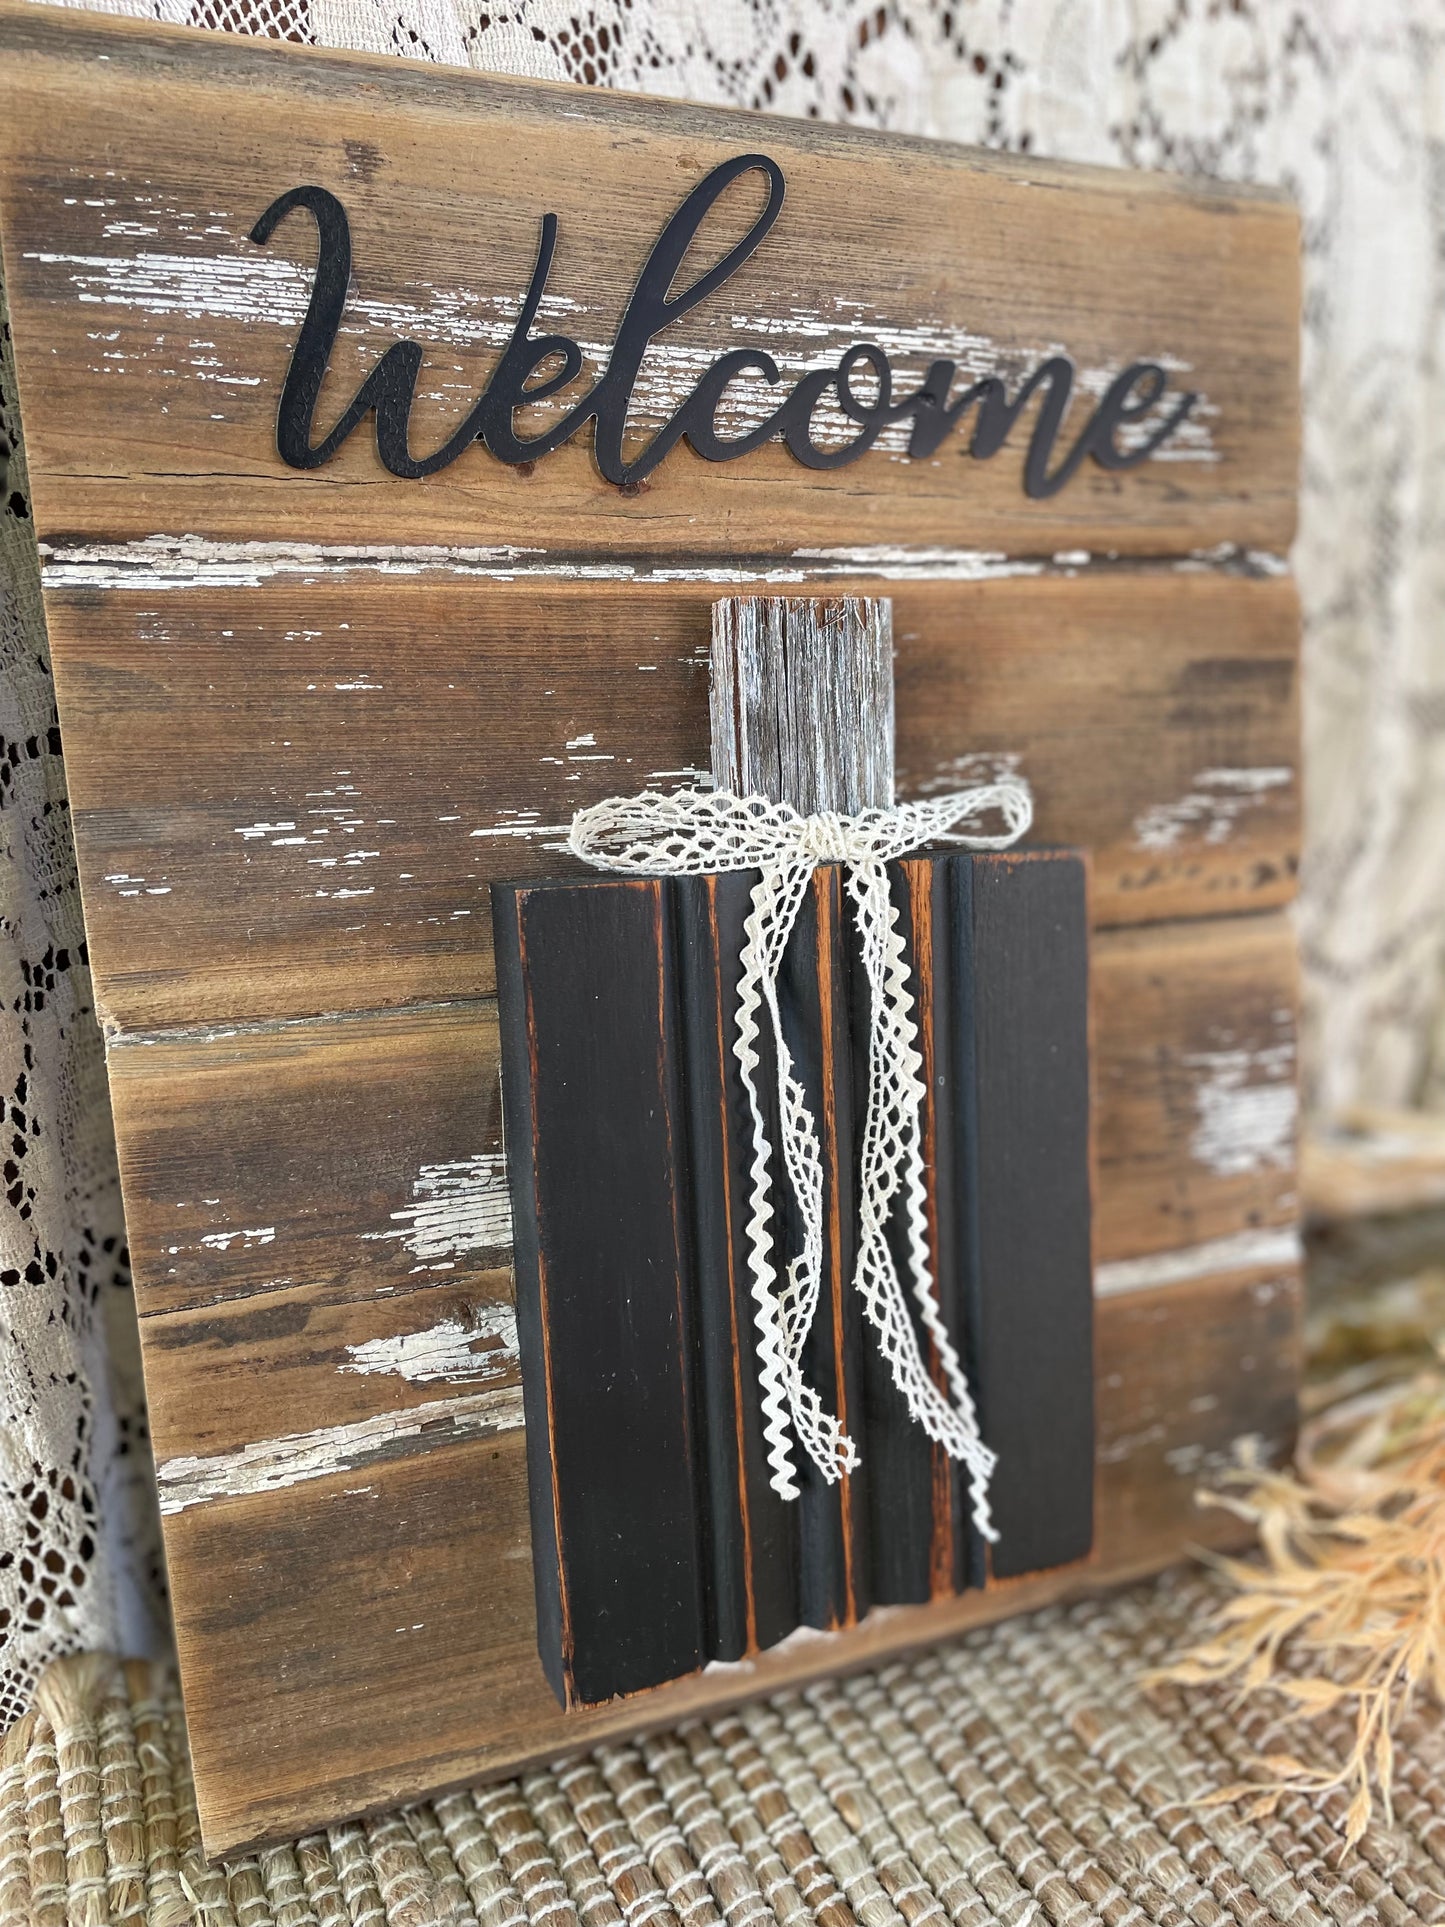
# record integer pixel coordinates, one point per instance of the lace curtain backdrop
(1341, 101)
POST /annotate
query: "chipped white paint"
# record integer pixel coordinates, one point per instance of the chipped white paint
(264, 290)
(331, 815)
(1246, 1106)
(177, 562)
(524, 829)
(447, 1349)
(1210, 809)
(259, 289)
(461, 1207)
(1204, 1464)
(1251, 561)
(223, 1240)
(250, 831)
(270, 1465)
(1248, 782)
(972, 770)
(1243, 1251)
(689, 774)
(136, 886)
(161, 563)
(169, 562)
(897, 562)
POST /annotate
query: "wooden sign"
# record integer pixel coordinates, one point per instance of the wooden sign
(315, 703)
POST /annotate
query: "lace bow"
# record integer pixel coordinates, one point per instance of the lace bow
(695, 832)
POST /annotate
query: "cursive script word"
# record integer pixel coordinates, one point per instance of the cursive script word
(534, 367)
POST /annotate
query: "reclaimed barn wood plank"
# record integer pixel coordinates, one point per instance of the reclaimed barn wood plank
(408, 1588)
(291, 1188)
(1195, 1080)
(292, 799)
(297, 1380)
(992, 261)
(801, 700)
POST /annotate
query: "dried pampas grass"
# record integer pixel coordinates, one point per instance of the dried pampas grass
(1346, 1609)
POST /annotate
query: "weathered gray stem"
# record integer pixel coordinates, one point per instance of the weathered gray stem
(802, 700)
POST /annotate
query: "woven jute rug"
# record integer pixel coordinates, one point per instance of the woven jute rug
(1022, 1774)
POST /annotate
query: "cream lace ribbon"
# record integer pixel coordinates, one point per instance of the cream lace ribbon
(694, 832)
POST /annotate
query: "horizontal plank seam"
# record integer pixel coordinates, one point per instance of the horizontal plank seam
(172, 562)
(266, 1465)
(217, 1030)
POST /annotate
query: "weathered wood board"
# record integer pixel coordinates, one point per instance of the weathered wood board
(130, 195)
(321, 1238)
(310, 714)
(423, 739)
(367, 1580)
(280, 1172)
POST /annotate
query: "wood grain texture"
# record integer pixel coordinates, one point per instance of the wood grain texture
(290, 1189)
(933, 249)
(1195, 1082)
(801, 700)
(292, 799)
(387, 1672)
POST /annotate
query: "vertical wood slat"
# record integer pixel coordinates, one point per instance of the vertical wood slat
(751, 1554)
(595, 1137)
(822, 1004)
(802, 700)
(920, 1542)
(801, 712)
(999, 947)
(1031, 1273)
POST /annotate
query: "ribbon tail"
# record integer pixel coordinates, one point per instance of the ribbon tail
(786, 1311)
(892, 1157)
(980, 1460)
(772, 1370)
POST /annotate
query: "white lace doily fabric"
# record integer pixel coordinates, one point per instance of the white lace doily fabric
(79, 1549)
(1343, 101)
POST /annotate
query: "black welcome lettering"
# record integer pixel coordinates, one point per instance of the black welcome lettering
(390, 388)
(653, 307)
(534, 368)
(513, 385)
